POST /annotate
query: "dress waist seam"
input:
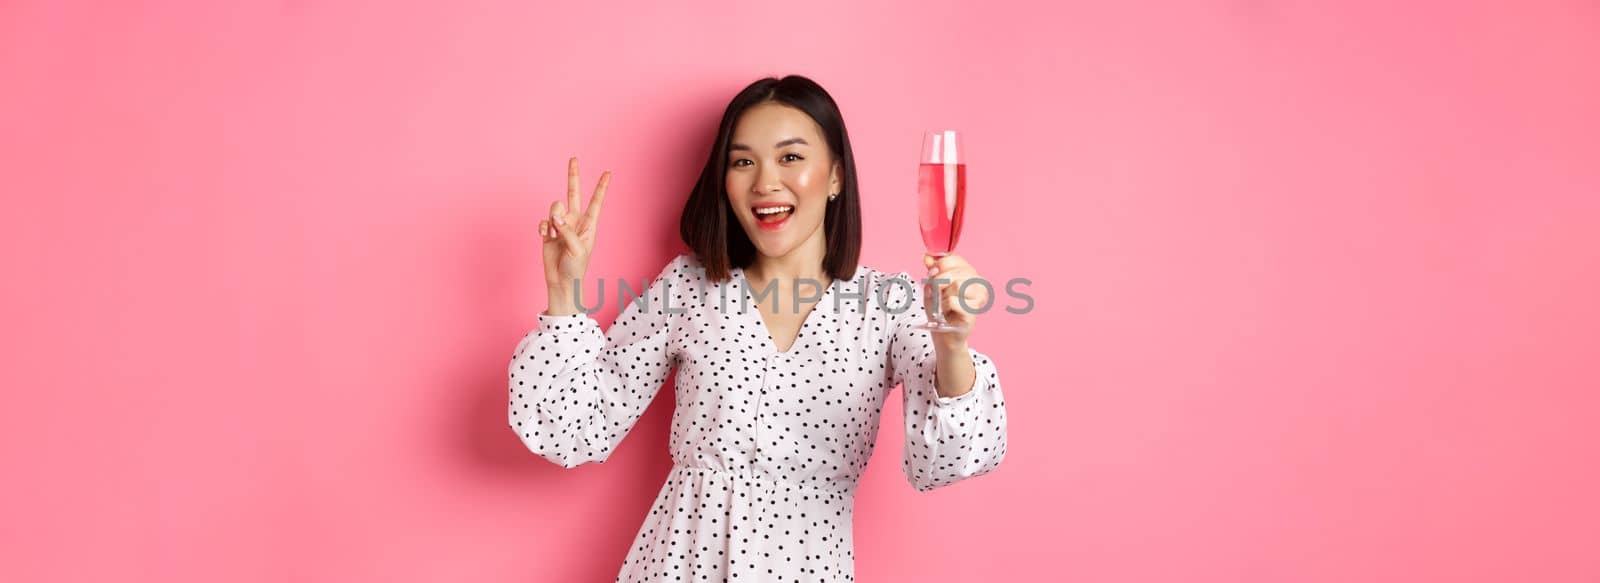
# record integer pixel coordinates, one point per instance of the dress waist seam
(747, 474)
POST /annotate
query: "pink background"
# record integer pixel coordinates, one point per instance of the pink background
(1315, 283)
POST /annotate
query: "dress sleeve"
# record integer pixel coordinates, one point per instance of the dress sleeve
(575, 392)
(948, 439)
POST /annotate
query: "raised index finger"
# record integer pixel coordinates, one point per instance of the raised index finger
(572, 183)
(591, 215)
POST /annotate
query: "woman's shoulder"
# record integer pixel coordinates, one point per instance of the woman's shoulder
(684, 267)
(889, 284)
(874, 276)
(883, 292)
(680, 263)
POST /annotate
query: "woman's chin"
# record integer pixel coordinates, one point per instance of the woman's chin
(775, 243)
(772, 249)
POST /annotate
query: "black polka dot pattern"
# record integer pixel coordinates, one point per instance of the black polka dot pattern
(767, 445)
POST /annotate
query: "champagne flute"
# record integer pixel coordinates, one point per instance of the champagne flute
(941, 194)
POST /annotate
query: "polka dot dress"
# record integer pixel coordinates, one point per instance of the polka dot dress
(767, 445)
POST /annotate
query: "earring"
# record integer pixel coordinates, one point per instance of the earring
(833, 196)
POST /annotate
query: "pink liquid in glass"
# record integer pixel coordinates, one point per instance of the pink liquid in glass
(942, 193)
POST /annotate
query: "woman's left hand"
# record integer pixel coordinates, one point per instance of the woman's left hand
(959, 305)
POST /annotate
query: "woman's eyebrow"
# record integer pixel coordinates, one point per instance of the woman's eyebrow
(781, 144)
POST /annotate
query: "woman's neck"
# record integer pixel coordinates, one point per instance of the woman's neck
(804, 262)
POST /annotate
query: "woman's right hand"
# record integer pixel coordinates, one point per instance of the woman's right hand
(568, 239)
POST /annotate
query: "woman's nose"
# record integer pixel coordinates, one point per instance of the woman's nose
(767, 181)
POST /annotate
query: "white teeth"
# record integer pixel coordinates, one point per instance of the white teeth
(774, 210)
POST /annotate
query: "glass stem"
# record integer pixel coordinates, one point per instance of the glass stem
(938, 311)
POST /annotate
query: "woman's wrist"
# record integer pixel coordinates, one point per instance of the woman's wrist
(560, 302)
(955, 372)
(949, 343)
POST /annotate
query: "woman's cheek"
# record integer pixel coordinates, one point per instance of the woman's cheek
(802, 183)
(733, 186)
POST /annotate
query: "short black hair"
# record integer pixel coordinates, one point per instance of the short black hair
(707, 224)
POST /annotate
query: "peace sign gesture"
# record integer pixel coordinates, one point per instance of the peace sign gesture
(568, 235)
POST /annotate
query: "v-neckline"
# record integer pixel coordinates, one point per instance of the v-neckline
(805, 323)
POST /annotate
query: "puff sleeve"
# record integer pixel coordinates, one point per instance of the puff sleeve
(947, 439)
(576, 392)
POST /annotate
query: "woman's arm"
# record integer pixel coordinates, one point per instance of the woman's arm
(955, 416)
(575, 392)
(955, 373)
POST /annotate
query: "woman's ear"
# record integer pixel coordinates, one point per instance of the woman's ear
(835, 178)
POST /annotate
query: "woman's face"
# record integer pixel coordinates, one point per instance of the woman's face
(778, 158)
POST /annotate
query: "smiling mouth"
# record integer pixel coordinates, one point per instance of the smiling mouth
(774, 214)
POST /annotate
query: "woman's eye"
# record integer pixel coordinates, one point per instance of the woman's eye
(742, 162)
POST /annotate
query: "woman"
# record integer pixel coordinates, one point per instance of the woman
(777, 407)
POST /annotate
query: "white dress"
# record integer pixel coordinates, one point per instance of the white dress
(767, 446)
